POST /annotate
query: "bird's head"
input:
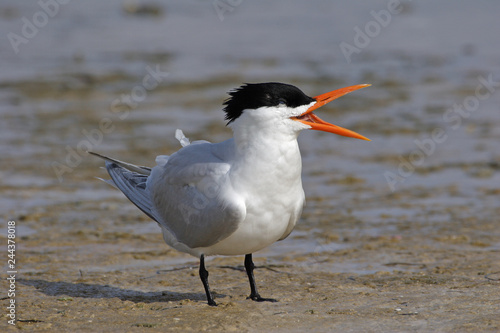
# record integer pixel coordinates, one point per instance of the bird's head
(283, 108)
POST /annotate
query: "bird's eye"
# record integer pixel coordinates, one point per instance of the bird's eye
(281, 102)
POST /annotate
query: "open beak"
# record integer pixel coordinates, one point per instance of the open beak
(309, 118)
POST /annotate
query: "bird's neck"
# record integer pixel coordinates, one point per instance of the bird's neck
(264, 143)
(264, 155)
(249, 136)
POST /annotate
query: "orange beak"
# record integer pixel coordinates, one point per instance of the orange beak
(309, 118)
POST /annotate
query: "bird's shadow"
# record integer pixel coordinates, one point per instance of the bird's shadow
(105, 291)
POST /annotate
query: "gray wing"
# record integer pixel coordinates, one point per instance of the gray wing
(192, 195)
(188, 193)
(131, 180)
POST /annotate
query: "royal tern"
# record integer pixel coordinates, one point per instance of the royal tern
(237, 196)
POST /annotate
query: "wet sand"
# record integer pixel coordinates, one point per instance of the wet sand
(101, 278)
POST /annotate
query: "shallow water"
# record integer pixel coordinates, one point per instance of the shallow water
(65, 80)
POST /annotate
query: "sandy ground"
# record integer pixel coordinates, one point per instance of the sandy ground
(95, 280)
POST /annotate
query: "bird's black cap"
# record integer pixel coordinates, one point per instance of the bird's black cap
(256, 95)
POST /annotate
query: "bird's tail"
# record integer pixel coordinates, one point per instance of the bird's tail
(131, 180)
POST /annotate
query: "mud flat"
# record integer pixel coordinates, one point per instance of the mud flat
(114, 273)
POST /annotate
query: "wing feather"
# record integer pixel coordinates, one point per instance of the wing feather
(194, 197)
(188, 193)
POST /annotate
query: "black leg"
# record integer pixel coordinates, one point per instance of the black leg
(204, 279)
(254, 295)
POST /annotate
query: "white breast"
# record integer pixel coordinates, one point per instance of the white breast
(269, 180)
